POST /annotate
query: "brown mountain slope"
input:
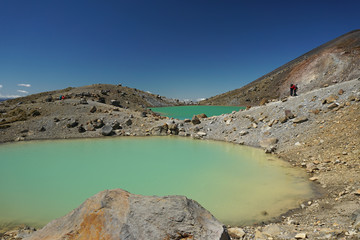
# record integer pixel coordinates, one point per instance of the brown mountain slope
(335, 61)
(125, 97)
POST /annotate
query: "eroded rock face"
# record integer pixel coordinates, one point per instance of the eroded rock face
(117, 214)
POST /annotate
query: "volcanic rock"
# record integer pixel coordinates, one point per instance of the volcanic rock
(117, 214)
(107, 130)
(201, 115)
(267, 142)
(83, 101)
(81, 129)
(195, 120)
(300, 119)
(289, 114)
(35, 113)
(115, 103)
(173, 128)
(73, 123)
(99, 123)
(49, 99)
(93, 109)
(128, 122)
(236, 233)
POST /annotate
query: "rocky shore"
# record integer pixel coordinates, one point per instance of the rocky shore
(318, 131)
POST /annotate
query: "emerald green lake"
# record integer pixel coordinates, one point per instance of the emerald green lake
(44, 180)
(183, 112)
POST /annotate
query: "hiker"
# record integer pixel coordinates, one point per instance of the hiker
(295, 89)
(291, 89)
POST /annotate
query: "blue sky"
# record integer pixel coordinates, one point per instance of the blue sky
(180, 49)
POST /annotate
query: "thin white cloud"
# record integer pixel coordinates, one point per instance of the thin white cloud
(24, 85)
(1, 86)
(22, 91)
(9, 96)
(200, 99)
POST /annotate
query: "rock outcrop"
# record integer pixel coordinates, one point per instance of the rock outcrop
(117, 214)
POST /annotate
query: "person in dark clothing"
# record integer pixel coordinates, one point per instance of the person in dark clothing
(291, 89)
(295, 90)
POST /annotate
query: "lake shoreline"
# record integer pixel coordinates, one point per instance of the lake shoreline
(319, 137)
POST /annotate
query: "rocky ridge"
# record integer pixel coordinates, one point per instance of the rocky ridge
(333, 62)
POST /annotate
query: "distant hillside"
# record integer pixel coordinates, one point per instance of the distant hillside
(106, 93)
(333, 62)
(4, 99)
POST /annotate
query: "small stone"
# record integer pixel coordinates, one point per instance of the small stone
(42, 129)
(283, 119)
(289, 114)
(83, 101)
(128, 122)
(202, 134)
(116, 125)
(242, 133)
(300, 119)
(49, 99)
(90, 127)
(236, 233)
(357, 192)
(202, 115)
(270, 149)
(72, 123)
(81, 129)
(35, 113)
(195, 120)
(267, 142)
(330, 99)
(228, 122)
(313, 179)
(341, 92)
(93, 109)
(333, 105)
(315, 111)
(300, 236)
(115, 103)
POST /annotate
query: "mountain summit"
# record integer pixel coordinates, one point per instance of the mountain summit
(333, 62)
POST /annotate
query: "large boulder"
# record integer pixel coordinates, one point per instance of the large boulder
(117, 214)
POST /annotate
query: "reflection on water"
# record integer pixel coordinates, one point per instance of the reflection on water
(40, 181)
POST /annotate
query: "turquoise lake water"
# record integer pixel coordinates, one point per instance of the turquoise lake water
(43, 180)
(184, 112)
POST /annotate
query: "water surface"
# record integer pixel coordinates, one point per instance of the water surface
(43, 180)
(183, 112)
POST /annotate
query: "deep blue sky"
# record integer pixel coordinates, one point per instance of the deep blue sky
(181, 49)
